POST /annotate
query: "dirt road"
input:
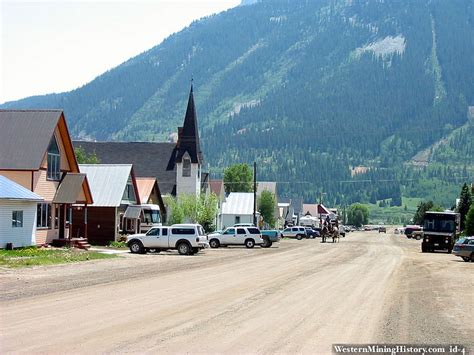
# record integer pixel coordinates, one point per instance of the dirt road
(298, 298)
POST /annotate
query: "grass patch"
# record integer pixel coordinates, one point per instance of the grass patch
(118, 245)
(33, 256)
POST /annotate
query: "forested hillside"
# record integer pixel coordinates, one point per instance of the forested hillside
(308, 89)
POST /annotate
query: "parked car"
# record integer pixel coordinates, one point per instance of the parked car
(297, 232)
(248, 236)
(382, 229)
(312, 233)
(410, 229)
(269, 237)
(188, 239)
(464, 248)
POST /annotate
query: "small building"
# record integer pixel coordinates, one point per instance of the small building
(36, 152)
(17, 214)
(238, 208)
(114, 189)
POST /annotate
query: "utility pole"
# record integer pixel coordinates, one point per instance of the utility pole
(255, 194)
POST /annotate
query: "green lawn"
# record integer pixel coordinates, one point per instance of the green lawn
(33, 256)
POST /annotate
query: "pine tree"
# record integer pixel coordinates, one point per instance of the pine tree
(470, 221)
(465, 201)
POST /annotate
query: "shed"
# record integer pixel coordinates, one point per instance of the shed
(238, 208)
(18, 207)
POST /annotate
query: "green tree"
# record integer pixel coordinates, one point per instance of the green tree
(424, 207)
(469, 226)
(465, 201)
(175, 211)
(193, 209)
(238, 178)
(358, 214)
(266, 207)
(84, 158)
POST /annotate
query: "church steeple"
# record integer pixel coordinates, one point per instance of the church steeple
(188, 135)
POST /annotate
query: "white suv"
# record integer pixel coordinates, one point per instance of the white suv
(297, 232)
(248, 236)
(188, 239)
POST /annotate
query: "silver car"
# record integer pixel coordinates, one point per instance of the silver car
(464, 248)
(297, 232)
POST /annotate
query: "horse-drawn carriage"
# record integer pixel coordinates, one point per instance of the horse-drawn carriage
(330, 230)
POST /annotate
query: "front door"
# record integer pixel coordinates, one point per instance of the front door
(229, 236)
(240, 236)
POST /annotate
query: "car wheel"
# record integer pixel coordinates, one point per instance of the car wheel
(266, 243)
(424, 249)
(184, 248)
(450, 250)
(466, 259)
(136, 247)
(472, 257)
(214, 243)
(299, 237)
(249, 243)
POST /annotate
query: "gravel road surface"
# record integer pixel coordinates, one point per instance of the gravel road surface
(299, 297)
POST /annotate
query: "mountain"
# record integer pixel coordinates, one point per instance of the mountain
(309, 89)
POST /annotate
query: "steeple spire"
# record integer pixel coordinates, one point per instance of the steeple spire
(188, 136)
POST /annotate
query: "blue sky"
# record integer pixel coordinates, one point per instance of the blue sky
(55, 46)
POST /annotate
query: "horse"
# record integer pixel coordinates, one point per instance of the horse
(335, 236)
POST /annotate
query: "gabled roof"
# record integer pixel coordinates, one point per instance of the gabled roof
(71, 188)
(238, 203)
(188, 135)
(108, 182)
(323, 210)
(148, 159)
(25, 136)
(145, 187)
(312, 209)
(266, 186)
(216, 186)
(10, 190)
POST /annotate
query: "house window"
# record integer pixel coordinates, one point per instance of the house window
(237, 219)
(43, 215)
(54, 161)
(17, 219)
(129, 192)
(186, 167)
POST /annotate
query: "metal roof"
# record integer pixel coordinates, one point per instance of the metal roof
(25, 136)
(10, 190)
(107, 182)
(70, 188)
(145, 187)
(238, 203)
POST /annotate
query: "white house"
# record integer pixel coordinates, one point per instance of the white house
(18, 207)
(237, 208)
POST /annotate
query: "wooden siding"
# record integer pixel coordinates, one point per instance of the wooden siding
(22, 178)
(101, 224)
(20, 237)
(44, 187)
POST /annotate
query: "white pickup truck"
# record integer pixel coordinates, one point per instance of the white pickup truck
(188, 239)
(248, 236)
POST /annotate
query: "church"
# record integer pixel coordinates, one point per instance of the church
(176, 166)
